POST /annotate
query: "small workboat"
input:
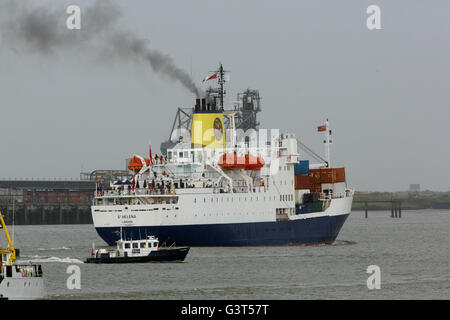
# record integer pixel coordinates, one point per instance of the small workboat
(18, 281)
(138, 251)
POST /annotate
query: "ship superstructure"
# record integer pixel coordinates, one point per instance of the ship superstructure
(221, 186)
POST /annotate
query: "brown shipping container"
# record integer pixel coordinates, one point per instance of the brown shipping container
(316, 188)
(340, 174)
(301, 181)
(327, 175)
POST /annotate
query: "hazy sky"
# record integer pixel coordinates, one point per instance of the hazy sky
(386, 92)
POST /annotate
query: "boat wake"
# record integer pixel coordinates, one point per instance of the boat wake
(343, 243)
(37, 259)
(52, 249)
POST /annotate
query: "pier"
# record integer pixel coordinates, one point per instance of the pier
(53, 201)
(46, 213)
(25, 202)
(396, 207)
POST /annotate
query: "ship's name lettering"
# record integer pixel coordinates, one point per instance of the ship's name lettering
(126, 216)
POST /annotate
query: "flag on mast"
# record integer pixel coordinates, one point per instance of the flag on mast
(214, 76)
(150, 154)
(322, 128)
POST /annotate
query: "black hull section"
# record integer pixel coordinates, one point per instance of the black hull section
(318, 230)
(162, 255)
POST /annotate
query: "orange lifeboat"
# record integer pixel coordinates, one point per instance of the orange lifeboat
(231, 161)
(253, 163)
(135, 164)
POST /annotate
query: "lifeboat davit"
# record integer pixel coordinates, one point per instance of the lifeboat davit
(135, 164)
(231, 161)
(253, 163)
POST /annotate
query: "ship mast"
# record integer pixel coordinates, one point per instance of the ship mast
(327, 141)
(221, 82)
(221, 79)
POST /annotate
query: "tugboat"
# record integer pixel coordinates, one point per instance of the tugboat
(138, 251)
(18, 282)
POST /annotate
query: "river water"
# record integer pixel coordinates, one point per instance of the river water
(413, 254)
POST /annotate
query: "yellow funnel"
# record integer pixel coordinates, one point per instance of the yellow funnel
(207, 129)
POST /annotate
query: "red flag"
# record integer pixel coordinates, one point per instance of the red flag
(322, 128)
(214, 76)
(150, 154)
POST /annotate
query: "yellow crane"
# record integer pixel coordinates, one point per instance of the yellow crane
(10, 250)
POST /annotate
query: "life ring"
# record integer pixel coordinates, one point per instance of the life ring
(99, 193)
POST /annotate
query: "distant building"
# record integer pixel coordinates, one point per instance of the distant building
(46, 191)
(414, 189)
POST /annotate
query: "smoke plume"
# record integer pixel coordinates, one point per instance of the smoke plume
(38, 30)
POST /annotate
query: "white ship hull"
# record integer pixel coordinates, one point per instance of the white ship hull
(19, 287)
(221, 220)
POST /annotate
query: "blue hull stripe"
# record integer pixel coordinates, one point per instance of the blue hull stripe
(304, 231)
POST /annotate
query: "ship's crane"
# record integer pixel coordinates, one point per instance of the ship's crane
(10, 251)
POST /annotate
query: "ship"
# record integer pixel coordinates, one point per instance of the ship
(18, 281)
(217, 185)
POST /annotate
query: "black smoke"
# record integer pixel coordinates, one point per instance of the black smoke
(29, 29)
